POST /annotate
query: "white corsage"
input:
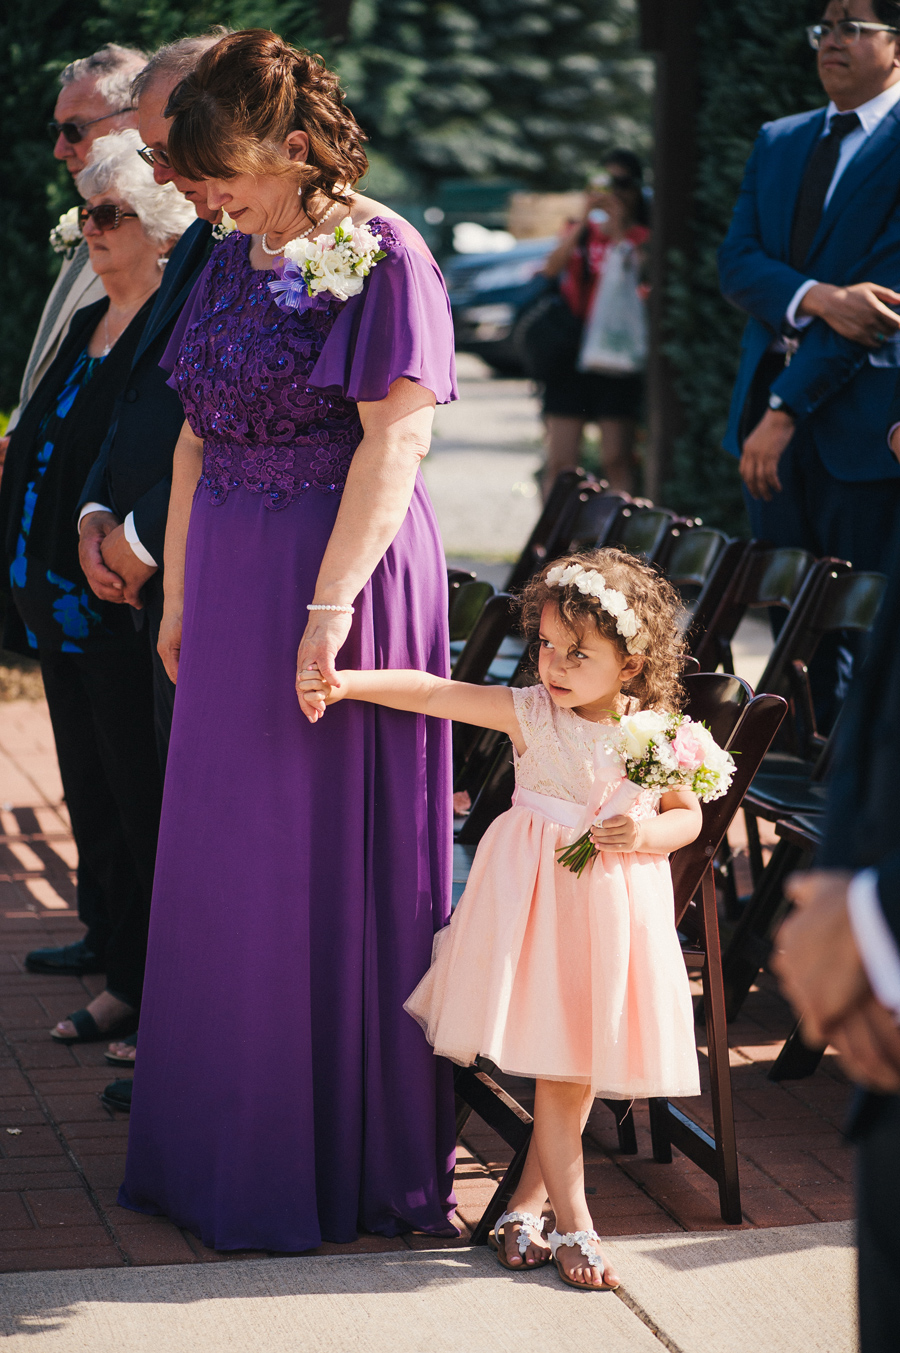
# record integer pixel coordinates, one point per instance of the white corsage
(66, 234)
(590, 582)
(330, 265)
(224, 228)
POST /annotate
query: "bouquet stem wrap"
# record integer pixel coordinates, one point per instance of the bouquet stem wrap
(607, 771)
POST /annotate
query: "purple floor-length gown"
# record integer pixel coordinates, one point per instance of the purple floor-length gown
(282, 1096)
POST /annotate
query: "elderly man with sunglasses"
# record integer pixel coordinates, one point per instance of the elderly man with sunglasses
(95, 98)
(813, 258)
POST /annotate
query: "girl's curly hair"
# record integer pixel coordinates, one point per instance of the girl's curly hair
(232, 113)
(653, 600)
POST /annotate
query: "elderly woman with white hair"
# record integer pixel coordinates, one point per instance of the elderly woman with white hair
(93, 657)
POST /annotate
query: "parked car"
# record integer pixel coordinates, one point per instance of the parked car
(488, 292)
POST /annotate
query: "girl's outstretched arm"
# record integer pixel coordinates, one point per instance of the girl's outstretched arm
(418, 692)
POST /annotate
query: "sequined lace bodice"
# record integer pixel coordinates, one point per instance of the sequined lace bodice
(558, 760)
(242, 375)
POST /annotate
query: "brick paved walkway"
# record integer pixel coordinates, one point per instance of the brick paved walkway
(61, 1152)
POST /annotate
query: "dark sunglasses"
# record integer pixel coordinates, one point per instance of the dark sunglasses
(154, 157)
(74, 131)
(105, 217)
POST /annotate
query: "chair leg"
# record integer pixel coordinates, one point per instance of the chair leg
(719, 1067)
(659, 1131)
(502, 1194)
(748, 948)
(754, 847)
(797, 1059)
(623, 1112)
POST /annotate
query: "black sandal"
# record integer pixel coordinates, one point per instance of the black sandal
(113, 1060)
(87, 1030)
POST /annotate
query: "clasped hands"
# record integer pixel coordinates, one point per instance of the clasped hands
(109, 563)
(822, 975)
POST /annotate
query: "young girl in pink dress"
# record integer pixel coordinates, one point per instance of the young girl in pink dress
(578, 982)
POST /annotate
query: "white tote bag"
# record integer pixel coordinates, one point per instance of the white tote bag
(615, 335)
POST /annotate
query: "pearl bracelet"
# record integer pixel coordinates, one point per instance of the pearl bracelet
(346, 610)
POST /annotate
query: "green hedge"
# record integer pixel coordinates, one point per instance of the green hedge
(755, 65)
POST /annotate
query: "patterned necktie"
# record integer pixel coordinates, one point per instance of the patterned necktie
(816, 182)
(76, 267)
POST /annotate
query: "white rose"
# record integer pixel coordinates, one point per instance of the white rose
(639, 730)
(569, 574)
(616, 604)
(627, 624)
(554, 577)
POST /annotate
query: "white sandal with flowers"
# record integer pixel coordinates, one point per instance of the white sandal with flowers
(526, 1221)
(589, 1244)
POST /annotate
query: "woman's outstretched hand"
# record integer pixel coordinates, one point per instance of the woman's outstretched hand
(169, 644)
(324, 637)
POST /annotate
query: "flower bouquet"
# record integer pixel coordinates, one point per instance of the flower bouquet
(66, 234)
(651, 751)
(335, 264)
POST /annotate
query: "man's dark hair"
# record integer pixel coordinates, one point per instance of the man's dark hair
(176, 60)
(887, 11)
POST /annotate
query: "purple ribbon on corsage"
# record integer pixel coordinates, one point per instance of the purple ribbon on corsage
(291, 292)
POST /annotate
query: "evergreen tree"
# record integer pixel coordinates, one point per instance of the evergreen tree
(755, 65)
(536, 90)
(37, 39)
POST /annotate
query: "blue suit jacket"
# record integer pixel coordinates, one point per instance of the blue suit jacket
(830, 384)
(133, 472)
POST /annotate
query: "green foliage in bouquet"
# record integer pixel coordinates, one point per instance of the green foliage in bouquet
(755, 65)
(37, 39)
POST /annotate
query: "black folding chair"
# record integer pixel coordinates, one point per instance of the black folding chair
(558, 513)
(763, 578)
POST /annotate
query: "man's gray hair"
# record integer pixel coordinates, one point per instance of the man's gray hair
(112, 68)
(176, 60)
(114, 167)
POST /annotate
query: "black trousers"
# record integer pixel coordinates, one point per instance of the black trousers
(878, 1194)
(828, 516)
(101, 708)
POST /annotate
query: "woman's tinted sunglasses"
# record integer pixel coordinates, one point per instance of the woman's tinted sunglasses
(106, 216)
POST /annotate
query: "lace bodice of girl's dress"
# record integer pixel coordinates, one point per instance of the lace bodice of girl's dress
(274, 394)
(558, 760)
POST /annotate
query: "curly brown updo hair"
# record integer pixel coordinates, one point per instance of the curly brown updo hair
(233, 112)
(654, 601)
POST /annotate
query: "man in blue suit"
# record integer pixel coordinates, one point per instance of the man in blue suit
(813, 257)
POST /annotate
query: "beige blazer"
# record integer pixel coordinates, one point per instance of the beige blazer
(76, 286)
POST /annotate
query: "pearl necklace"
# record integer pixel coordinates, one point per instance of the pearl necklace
(275, 253)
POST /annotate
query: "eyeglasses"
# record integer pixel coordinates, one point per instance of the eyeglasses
(106, 216)
(154, 157)
(74, 131)
(846, 32)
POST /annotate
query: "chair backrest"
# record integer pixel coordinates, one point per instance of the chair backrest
(692, 559)
(591, 526)
(467, 601)
(717, 584)
(496, 620)
(764, 577)
(716, 699)
(833, 598)
(492, 799)
(561, 506)
(750, 740)
(644, 531)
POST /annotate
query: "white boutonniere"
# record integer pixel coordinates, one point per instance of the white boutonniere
(224, 228)
(66, 234)
(330, 265)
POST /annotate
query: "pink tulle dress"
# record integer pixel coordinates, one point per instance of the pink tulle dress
(553, 976)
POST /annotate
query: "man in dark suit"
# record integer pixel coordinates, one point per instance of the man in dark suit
(125, 502)
(839, 957)
(813, 258)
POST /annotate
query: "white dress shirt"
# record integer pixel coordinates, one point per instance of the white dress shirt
(131, 534)
(870, 115)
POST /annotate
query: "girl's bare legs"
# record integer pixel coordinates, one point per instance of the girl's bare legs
(530, 1196)
(617, 452)
(561, 1109)
(563, 446)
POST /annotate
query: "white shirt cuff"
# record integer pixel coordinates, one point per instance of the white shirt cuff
(93, 507)
(791, 317)
(134, 541)
(874, 939)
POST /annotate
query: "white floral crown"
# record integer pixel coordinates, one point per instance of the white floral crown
(591, 583)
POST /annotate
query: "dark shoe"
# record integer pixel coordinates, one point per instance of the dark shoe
(118, 1096)
(113, 1060)
(72, 960)
(87, 1030)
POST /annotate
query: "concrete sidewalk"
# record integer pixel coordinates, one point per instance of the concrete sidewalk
(788, 1291)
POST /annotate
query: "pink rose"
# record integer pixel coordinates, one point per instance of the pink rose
(688, 746)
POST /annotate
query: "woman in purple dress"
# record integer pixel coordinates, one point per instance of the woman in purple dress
(282, 1096)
